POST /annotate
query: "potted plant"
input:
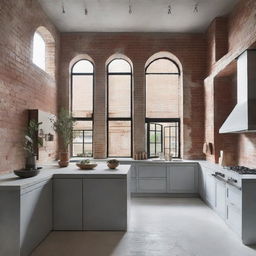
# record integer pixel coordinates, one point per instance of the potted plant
(32, 141)
(63, 125)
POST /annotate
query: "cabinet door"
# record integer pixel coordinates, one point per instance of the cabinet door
(210, 189)
(151, 185)
(151, 171)
(35, 216)
(221, 198)
(105, 204)
(67, 204)
(183, 178)
(201, 181)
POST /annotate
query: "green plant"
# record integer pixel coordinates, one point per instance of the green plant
(31, 137)
(63, 125)
(86, 161)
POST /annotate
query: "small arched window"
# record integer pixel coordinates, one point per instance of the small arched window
(163, 107)
(39, 51)
(82, 80)
(44, 50)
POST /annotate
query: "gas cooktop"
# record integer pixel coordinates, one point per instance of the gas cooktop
(242, 169)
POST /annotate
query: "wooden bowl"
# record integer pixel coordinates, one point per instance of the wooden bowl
(86, 166)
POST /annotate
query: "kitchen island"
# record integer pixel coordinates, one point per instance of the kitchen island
(61, 199)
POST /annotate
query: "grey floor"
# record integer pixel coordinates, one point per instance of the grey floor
(157, 227)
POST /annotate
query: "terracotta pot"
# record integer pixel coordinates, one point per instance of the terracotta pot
(63, 159)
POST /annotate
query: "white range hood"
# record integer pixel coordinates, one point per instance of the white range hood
(243, 116)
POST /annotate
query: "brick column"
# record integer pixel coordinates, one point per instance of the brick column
(139, 97)
(100, 118)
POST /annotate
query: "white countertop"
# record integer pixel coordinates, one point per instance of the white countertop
(12, 182)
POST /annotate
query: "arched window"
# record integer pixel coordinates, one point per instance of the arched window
(39, 51)
(163, 107)
(82, 80)
(119, 105)
(44, 50)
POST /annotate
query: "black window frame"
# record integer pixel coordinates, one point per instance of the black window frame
(119, 118)
(93, 93)
(149, 120)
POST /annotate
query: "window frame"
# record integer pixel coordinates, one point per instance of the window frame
(149, 120)
(71, 101)
(119, 118)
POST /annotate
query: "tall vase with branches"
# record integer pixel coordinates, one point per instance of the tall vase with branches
(63, 125)
(31, 143)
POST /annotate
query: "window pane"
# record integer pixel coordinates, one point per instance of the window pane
(82, 103)
(83, 66)
(39, 51)
(162, 66)
(162, 96)
(119, 65)
(119, 94)
(77, 149)
(82, 138)
(119, 138)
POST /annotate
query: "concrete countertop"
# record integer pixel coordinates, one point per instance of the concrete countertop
(12, 182)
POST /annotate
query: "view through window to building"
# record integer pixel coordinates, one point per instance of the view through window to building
(119, 112)
(82, 77)
(162, 108)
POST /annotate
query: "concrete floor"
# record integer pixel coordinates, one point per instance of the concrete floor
(157, 227)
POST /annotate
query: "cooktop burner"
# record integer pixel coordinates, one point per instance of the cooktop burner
(242, 169)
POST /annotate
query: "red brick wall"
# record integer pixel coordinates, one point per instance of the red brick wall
(22, 84)
(190, 49)
(240, 34)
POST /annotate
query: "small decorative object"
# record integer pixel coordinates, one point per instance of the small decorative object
(161, 155)
(25, 173)
(140, 156)
(168, 157)
(86, 165)
(112, 163)
(64, 127)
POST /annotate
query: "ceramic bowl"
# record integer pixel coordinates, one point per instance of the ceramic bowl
(23, 173)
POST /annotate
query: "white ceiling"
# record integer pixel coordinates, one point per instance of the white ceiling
(147, 15)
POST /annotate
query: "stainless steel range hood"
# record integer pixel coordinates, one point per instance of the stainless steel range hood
(243, 117)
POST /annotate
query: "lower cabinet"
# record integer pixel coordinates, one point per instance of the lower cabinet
(104, 204)
(35, 216)
(183, 178)
(67, 207)
(220, 202)
(90, 204)
(210, 189)
(165, 178)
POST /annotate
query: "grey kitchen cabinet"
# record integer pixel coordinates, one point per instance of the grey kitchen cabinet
(151, 171)
(220, 201)
(152, 178)
(67, 204)
(149, 185)
(25, 219)
(183, 178)
(35, 216)
(105, 204)
(210, 192)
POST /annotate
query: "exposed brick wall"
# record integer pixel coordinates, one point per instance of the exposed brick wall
(22, 84)
(219, 92)
(190, 49)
